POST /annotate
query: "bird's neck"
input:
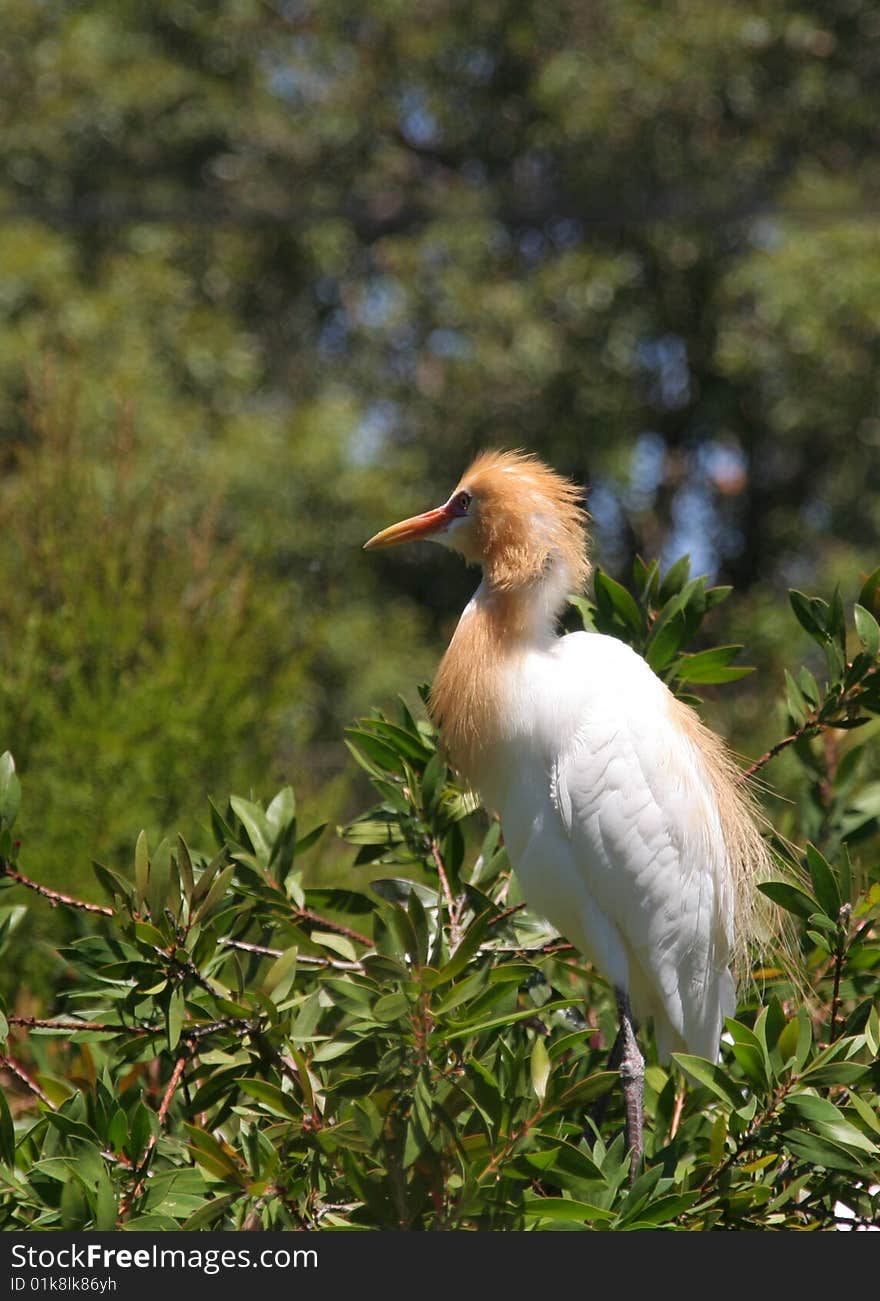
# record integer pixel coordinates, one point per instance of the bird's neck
(468, 697)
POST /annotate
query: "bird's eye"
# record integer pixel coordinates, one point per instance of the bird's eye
(462, 503)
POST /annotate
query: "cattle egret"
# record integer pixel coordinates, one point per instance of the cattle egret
(624, 817)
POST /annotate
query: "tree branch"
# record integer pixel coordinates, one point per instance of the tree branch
(15, 1068)
(454, 918)
(808, 730)
(306, 914)
(141, 1170)
(305, 959)
(55, 897)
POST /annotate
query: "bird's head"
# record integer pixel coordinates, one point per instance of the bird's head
(514, 516)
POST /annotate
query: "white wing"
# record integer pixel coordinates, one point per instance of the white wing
(626, 855)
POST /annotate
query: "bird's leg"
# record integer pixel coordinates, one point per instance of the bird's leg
(632, 1077)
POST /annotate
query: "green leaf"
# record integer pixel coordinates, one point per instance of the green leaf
(586, 610)
(140, 1132)
(646, 580)
(711, 1076)
(462, 991)
(115, 885)
(10, 791)
(584, 1091)
(715, 596)
(478, 1027)
(540, 1068)
(789, 897)
(281, 975)
(310, 838)
(149, 934)
(711, 666)
(821, 1151)
(281, 811)
(174, 1017)
(612, 596)
(339, 944)
(869, 597)
(256, 826)
(208, 1153)
(209, 874)
(273, 1099)
(561, 1208)
(404, 743)
(798, 706)
(185, 868)
(825, 1119)
(159, 879)
(824, 882)
(666, 641)
(809, 686)
(216, 893)
(7, 1132)
(563, 1164)
(433, 780)
(835, 1073)
(868, 630)
(378, 827)
(718, 1139)
(141, 866)
(210, 1213)
(811, 614)
(105, 1204)
(662, 1210)
(796, 1040)
(837, 621)
(749, 1052)
(675, 578)
(372, 753)
(117, 1130)
(865, 1111)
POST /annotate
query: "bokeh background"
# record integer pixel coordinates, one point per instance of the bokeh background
(272, 270)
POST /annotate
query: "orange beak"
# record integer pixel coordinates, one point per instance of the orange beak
(409, 530)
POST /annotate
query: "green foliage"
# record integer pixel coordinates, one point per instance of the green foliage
(658, 618)
(272, 275)
(238, 1049)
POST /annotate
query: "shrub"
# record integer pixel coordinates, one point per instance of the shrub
(237, 1050)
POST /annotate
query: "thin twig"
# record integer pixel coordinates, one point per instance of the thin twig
(306, 914)
(677, 1111)
(303, 959)
(808, 730)
(40, 1023)
(246, 947)
(839, 960)
(170, 1091)
(141, 1170)
(55, 897)
(506, 912)
(239, 1023)
(15, 1068)
(510, 1143)
(454, 918)
(190, 1031)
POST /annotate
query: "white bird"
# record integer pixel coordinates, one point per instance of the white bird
(624, 817)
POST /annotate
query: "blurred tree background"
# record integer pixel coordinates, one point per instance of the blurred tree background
(272, 270)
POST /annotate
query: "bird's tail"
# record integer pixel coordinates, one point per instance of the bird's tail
(758, 924)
